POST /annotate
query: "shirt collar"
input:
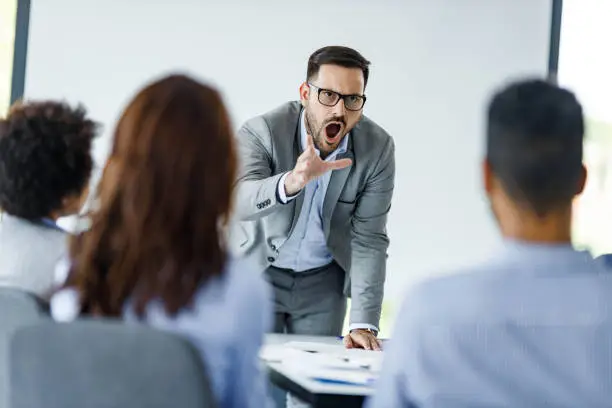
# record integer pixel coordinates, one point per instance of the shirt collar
(44, 222)
(342, 147)
(518, 249)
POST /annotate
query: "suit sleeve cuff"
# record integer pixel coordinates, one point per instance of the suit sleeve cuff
(356, 326)
(281, 193)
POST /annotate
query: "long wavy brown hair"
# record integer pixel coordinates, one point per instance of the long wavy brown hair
(162, 204)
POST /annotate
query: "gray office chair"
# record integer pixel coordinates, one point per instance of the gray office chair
(17, 308)
(104, 364)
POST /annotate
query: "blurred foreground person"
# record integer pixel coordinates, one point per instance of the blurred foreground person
(532, 325)
(156, 250)
(45, 167)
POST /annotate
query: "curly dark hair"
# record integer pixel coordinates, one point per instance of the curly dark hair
(45, 156)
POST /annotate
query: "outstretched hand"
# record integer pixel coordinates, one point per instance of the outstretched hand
(310, 166)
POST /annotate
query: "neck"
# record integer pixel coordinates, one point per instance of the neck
(553, 228)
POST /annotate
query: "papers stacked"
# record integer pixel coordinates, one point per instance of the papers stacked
(330, 363)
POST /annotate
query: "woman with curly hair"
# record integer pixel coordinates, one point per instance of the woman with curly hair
(45, 166)
(156, 251)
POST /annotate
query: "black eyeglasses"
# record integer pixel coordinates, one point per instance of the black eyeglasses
(331, 98)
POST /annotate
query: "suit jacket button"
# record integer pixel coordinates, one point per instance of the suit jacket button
(270, 259)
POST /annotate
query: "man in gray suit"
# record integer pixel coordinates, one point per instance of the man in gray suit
(313, 195)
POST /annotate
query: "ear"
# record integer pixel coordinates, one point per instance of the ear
(487, 176)
(582, 181)
(304, 94)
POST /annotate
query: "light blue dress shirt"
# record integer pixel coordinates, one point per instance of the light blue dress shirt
(306, 247)
(227, 323)
(532, 327)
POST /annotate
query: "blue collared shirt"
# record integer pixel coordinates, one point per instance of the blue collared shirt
(532, 327)
(306, 247)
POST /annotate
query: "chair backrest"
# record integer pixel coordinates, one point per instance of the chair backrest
(17, 309)
(605, 260)
(96, 364)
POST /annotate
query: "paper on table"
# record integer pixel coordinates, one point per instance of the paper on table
(339, 356)
(315, 367)
(328, 348)
(364, 378)
(326, 356)
(276, 353)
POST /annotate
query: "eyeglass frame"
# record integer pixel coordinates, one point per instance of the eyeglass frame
(340, 96)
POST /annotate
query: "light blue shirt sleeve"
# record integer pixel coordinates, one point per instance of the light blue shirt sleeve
(254, 319)
(391, 389)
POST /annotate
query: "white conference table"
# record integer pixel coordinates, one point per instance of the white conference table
(318, 394)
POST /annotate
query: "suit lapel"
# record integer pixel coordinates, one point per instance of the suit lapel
(336, 185)
(297, 150)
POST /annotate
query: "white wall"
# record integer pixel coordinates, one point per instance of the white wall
(584, 62)
(434, 62)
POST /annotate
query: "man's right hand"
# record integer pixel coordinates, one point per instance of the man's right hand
(310, 166)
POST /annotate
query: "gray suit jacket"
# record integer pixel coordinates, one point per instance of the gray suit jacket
(354, 211)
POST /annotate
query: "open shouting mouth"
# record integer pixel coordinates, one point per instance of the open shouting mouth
(333, 132)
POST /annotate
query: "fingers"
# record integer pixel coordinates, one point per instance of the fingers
(338, 164)
(310, 142)
(309, 165)
(359, 339)
(376, 344)
(348, 342)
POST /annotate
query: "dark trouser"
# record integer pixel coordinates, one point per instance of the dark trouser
(310, 303)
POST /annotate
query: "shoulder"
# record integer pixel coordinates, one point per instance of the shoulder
(21, 239)
(279, 120)
(373, 129)
(15, 225)
(370, 139)
(605, 260)
(457, 295)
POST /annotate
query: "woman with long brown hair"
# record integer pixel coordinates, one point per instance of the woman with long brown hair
(156, 250)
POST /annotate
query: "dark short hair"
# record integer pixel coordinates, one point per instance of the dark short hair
(45, 156)
(337, 55)
(535, 134)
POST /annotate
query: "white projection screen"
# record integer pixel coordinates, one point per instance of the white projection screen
(434, 64)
